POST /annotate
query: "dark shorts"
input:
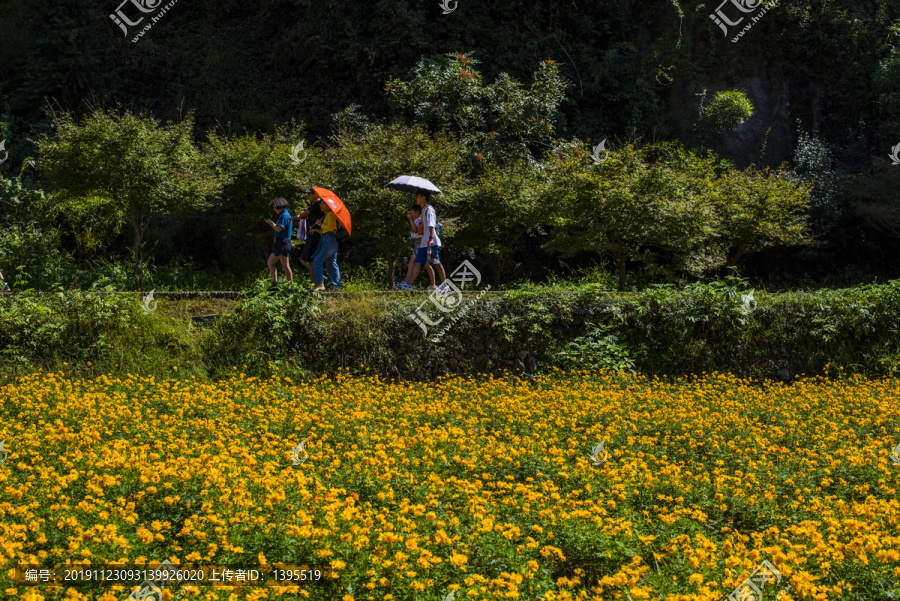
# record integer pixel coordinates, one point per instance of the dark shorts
(429, 255)
(282, 247)
(310, 248)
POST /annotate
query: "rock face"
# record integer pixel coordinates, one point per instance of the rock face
(768, 129)
(765, 138)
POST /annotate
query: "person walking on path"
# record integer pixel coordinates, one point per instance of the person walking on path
(326, 254)
(282, 251)
(415, 234)
(4, 287)
(311, 214)
(428, 246)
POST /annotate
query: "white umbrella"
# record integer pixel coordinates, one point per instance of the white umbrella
(411, 183)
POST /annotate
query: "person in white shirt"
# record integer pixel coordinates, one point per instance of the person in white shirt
(428, 245)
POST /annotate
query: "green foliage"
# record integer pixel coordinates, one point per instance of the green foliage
(498, 209)
(597, 349)
(65, 54)
(759, 209)
(849, 99)
(129, 164)
(815, 164)
(26, 242)
(724, 113)
(626, 206)
(499, 121)
(259, 169)
(262, 332)
(671, 209)
(88, 334)
(363, 163)
(663, 330)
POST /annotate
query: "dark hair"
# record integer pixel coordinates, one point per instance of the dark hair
(279, 203)
(416, 208)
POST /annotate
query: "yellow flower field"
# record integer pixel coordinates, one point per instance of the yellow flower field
(494, 489)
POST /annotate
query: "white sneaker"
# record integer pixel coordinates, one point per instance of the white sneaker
(432, 288)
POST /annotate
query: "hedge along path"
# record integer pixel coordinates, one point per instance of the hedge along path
(239, 294)
(664, 331)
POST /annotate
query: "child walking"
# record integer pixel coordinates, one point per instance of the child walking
(427, 253)
(415, 235)
(417, 229)
(282, 251)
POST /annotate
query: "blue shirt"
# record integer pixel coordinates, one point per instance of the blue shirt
(284, 220)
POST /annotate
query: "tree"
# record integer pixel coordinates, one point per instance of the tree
(258, 169)
(626, 207)
(21, 233)
(759, 209)
(501, 206)
(500, 121)
(363, 162)
(129, 163)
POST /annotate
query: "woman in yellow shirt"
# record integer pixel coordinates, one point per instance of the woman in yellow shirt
(326, 254)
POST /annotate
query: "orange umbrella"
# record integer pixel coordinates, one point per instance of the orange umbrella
(337, 206)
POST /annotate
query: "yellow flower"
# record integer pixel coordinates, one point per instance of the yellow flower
(458, 559)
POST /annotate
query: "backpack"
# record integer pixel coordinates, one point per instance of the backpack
(438, 229)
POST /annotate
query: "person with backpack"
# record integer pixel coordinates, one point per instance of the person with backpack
(282, 251)
(427, 251)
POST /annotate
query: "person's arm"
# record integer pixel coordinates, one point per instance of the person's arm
(276, 226)
(430, 235)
